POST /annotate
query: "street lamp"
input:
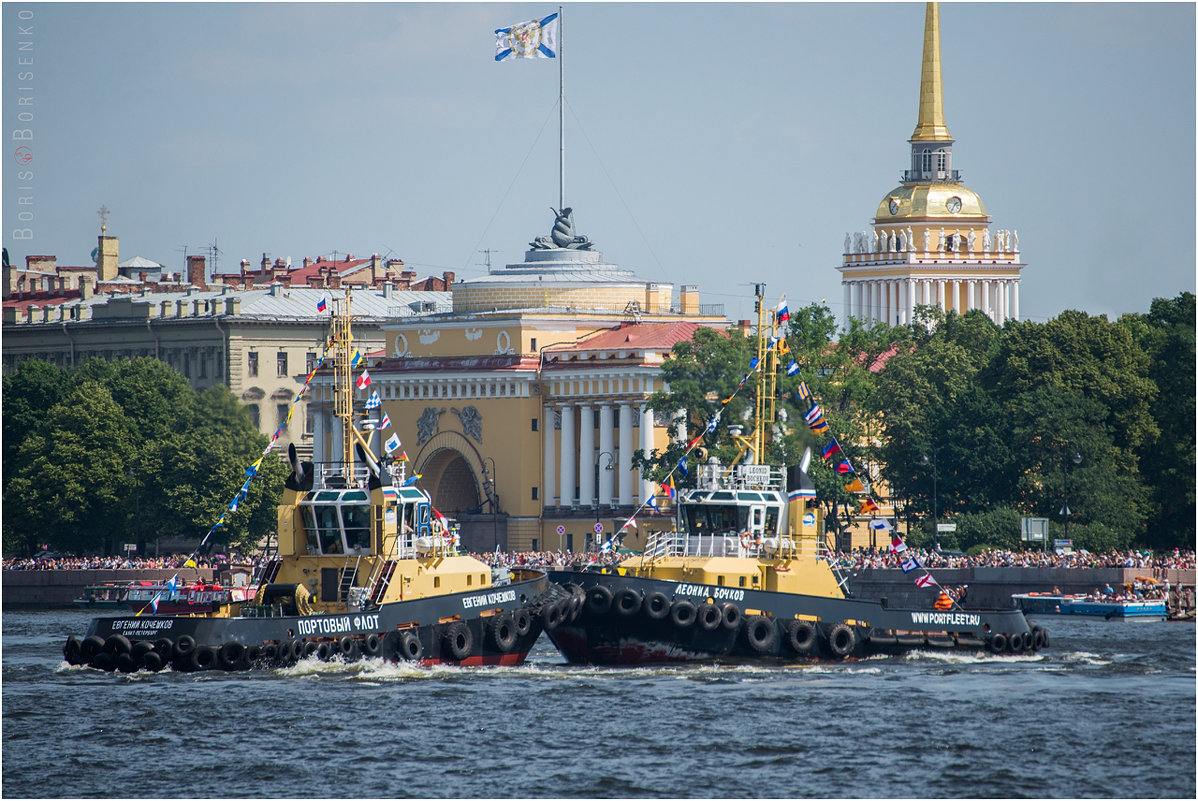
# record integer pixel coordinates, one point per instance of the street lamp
(493, 499)
(1076, 459)
(923, 458)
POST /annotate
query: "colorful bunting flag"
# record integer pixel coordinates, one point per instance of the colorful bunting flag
(386, 422)
(926, 580)
(897, 545)
(668, 487)
(682, 466)
(803, 393)
(909, 564)
(844, 467)
(393, 443)
(831, 449)
(792, 368)
(415, 477)
(855, 486)
(374, 401)
(783, 347)
(713, 422)
(652, 503)
(356, 358)
(881, 524)
(364, 379)
(867, 506)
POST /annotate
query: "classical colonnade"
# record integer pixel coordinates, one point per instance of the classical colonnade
(577, 447)
(894, 299)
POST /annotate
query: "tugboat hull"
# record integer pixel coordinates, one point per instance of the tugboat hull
(496, 626)
(631, 620)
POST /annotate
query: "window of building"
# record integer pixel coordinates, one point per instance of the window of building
(535, 424)
(202, 365)
(309, 421)
(309, 362)
(186, 365)
(282, 364)
(532, 344)
(251, 366)
(282, 414)
(255, 415)
(535, 492)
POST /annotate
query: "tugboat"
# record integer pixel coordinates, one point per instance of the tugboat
(744, 575)
(366, 567)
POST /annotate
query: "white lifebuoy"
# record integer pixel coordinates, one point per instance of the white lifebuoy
(746, 540)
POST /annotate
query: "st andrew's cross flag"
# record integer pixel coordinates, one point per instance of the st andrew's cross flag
(532, 39)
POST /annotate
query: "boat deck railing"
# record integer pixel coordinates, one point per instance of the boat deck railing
(334, 475)
(662, 544)
(742, 477)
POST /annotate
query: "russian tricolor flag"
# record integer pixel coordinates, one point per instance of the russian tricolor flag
(782, 314)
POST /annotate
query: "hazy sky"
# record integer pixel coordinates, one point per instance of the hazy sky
(716, 144)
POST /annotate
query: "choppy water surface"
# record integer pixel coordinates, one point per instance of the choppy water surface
(1108, 711)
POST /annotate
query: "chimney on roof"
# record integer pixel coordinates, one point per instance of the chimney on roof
(746, 327)
(349, 257)
(197, 271)
(388, 289)
(334, 280)
(265, 263)
(307, 261)
(85, 287)
(688, 298)
(245, 267)
(109, 255)
(448, 275)
(376, 262)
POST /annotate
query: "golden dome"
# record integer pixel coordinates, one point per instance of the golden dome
(938, 201)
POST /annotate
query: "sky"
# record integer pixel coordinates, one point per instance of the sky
(716, 144)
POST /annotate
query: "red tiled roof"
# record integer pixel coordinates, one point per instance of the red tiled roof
(634, 336)
(42, 299)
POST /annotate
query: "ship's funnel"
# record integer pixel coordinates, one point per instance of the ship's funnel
(300, 479)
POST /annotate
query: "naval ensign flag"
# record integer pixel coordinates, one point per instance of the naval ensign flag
(532, 39)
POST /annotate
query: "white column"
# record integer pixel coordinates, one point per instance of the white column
(569, 452)
(1002, 302)
(909, 306)
(875, 301)
(647, 447)
(940, 294)
(550, 467)
(848, 302)
(607, 445)
(858, 299)
(586, 455)
(1015, 300)
(318, 434)
(971, 301)
(957, 295)
(624, 458)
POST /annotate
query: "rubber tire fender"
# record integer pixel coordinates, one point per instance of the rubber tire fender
(731, 616)
(1039, 639)
(164, 648)
(761, 633)
(203, 657)
(656, 605)
(232, 656)
(460, 640)
(802, 637)
(117, 644)
(185, 645)
(998, 643)
(1015, 643)
(346, 645)
(140, 648)
(71, 651)
(599, 600)
(90, 646)
(325, 651)
(709, 617)
(683, 613)
(523, 622)
(841, 640)
(125, 663)
(310, 647)
(503, 632)
(627, 602)
(552, 613)
(103, 661)
(151, 661)
(410, 647)
(578, 602)
(372, 645)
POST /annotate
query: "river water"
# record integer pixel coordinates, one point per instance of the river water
(1107, 711)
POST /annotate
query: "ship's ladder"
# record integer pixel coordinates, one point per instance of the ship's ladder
(348, 574)
(381, 580)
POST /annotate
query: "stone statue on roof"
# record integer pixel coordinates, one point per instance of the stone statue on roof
(562, 236)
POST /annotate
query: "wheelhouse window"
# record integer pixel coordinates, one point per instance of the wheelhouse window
(337, 523)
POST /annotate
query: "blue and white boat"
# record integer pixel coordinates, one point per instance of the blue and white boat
(1044, 603)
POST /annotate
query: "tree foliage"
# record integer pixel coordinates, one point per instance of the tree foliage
(126, 451)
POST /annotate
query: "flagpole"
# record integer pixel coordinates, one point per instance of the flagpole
(561, 109)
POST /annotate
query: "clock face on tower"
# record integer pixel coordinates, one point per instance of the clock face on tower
(893, 206)
(953, 204)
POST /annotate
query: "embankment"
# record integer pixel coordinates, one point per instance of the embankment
(54, 589)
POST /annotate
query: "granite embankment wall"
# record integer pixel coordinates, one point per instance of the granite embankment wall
(51, 589)
(988, 586)
(993, 586)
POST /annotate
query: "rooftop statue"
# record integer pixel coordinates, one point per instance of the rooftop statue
(563, 234)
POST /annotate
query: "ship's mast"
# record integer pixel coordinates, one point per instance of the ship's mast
(766, 379)
(343, 386)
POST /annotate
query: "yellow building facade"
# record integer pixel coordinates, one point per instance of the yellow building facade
(522, 409)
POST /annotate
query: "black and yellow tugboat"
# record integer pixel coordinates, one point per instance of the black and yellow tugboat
(366, 567)
(744, 575)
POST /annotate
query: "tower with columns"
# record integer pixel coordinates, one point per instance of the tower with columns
(930, 242)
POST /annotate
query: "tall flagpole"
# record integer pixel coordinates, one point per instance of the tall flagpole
(561, 109)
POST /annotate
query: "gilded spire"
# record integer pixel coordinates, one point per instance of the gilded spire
(931, 126)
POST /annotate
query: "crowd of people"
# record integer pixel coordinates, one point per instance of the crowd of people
(853, 561)
(993, 557)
